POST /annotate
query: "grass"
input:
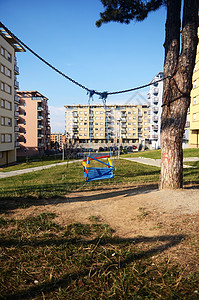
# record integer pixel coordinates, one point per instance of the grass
(59, 180)
(43, 260)
(32, 163)
(156, 154)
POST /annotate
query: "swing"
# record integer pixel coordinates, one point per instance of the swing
(98, 173)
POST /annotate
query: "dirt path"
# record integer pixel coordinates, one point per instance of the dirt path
(130, 211)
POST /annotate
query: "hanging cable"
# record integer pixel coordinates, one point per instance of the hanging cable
(69, 78)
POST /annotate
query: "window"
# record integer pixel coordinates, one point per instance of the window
(3, 138)
(96, 123)
(2, 86)
(134, 128)
(2, 69)
(9, 122)
(101, 118)
(9, 138)
(101, 123)
(194, 84)
(81, 112)
(85, 119)
(8, 89)
(101, 112)
(96, 118)
(2, 103)
(8, 73)
(9, 57)
(2, 120)
(194, 117)
(97, 112)
(81, 128)
(129, 112)
(85, 112)
(9, 105)
(2, 51)
(194, 100)
(101, 128)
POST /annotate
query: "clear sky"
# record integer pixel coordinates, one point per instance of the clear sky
(110, 58)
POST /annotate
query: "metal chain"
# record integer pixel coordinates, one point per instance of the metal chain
(101, 94)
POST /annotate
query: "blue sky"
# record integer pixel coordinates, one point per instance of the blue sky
(110, 58)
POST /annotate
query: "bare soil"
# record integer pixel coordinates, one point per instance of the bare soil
(139, 211)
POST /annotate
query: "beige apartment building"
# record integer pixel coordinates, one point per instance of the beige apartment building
(8, 98)
(128, 124)
(194, 107)
(60, 138)
(33, 123)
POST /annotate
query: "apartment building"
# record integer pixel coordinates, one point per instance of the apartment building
(127, 123)
(59, 138)
(8, 98)
(155, 101)
(33, 123)
(194, 106)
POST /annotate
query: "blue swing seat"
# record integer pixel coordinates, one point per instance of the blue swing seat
(92, 173)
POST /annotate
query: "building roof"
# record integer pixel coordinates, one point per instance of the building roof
(11, 40)
(32, 94)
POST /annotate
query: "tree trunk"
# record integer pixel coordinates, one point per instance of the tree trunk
(178, 69)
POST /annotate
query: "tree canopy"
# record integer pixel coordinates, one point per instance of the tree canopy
(124, 11)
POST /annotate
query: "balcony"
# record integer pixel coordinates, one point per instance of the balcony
(16, 114)
(16, 84)
(154, 118)
(40, 126)
(40, 118)
(155, 109)
(40, 135)
(123, 119)
(16, 99)
(16, 70)
(155, 136)
(187, 124)
(155, 91)
(40, 108)
(155, 100)
(40, 144)
(17, 144)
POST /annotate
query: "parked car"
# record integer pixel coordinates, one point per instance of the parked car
(101, 149)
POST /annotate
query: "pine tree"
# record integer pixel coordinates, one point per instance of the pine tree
(180, 52)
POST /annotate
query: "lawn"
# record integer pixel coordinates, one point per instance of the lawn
(62, 179)
(42, 260)
(156, 154)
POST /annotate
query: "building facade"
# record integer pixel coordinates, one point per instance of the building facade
(8, 98)
(128, 124)
(33, 123)
(194, 106)
(155, 102)
(59, 138)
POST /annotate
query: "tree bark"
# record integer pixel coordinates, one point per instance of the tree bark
(178, 69)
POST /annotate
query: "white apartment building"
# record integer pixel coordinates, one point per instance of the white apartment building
(127, 123)
(8, 98)
(155, 102)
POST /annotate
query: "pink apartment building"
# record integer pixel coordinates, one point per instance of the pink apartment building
(34, 124)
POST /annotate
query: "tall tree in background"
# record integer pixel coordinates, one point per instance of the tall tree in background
(180, 52)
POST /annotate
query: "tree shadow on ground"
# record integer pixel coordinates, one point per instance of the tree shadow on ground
(8, 204)
(162, 243)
